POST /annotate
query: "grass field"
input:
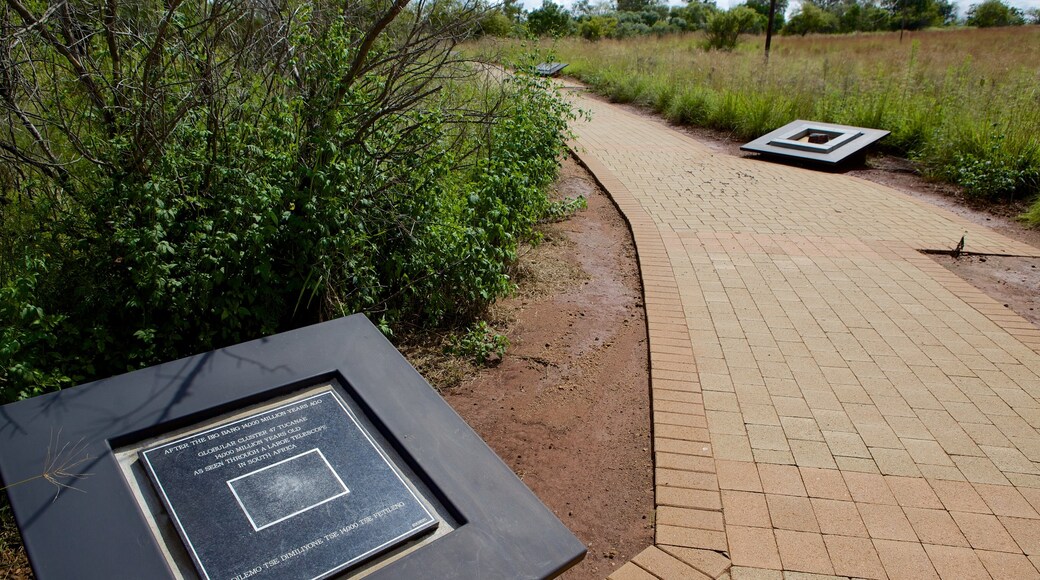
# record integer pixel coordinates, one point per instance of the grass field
(964, 104)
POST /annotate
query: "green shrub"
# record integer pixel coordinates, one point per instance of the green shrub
(810, 18)
(305, 188)
(723, 29)
(994, 13)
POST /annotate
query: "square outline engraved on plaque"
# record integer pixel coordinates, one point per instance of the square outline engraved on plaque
(245, 510)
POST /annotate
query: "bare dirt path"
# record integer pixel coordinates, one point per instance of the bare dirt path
(568, 406)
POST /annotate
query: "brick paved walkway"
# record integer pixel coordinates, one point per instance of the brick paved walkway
(826, 399)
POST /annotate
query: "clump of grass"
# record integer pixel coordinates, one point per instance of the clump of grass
(964, 104)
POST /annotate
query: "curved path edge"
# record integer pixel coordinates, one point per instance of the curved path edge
(677, 410)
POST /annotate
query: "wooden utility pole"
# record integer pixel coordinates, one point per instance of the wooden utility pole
(769, 26)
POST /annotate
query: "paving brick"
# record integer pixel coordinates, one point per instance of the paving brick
(858, 465)
(743, 508)
(935, 527)
(812, 454)
(630, 571)
(803, 552)
(886, 522)
(868, 488)
(926, 451)
(980, 470)
(708, 562)
(753, 547)
(738, 475)
(838, 517)
(1026, 532)
(686, 479)
(770, 437)
(1006, 501)
(913, 492)
(684, 462)
(792, 513)
(846, 444)
(664, 565)
(959, 496)
(690, 537)
(905, 560)
(1004, 566)
(801, 428)
(954, 563)
(688, 498)
(825, 483)
(894, 462)
(984, 532)
(743, 573)
(854, 557)
(732, 447)
(781, 479)
(689, 518)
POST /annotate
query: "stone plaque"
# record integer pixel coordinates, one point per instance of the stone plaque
(299, 491)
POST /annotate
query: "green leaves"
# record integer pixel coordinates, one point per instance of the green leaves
(274, 208)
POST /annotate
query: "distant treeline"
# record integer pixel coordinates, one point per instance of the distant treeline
(628, 18)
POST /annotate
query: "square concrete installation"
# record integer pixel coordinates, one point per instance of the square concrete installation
(814, 142)
(309, 454)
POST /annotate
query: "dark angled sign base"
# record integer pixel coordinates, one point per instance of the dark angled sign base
(815, 143)
(299, 491)
(310, 453)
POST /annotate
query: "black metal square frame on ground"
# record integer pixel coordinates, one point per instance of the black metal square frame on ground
(92, 526)
(839, 142)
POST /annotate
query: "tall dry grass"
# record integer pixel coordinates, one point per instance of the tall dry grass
(964, 104)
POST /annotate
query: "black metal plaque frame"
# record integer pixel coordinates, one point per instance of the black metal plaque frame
(96, 529)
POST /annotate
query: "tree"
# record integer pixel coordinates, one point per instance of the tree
(994, 13)
(494, 23)
(635, 5)
(1033, 14)
(696, 13)
(762, 7)
(919, 14)
(582, 9)
(549, 20)
(811, 19)
(724, 28)
(867, 16)
(597, 28)
(513, 9)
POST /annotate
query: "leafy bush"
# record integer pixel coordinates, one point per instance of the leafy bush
(549, 20)
(987, 164)
(221, 185)
(811, 19)
(597, 28)
(994, 13)
(724, 28)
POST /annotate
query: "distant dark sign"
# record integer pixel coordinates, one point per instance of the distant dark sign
(550, 69)
(297, 491)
